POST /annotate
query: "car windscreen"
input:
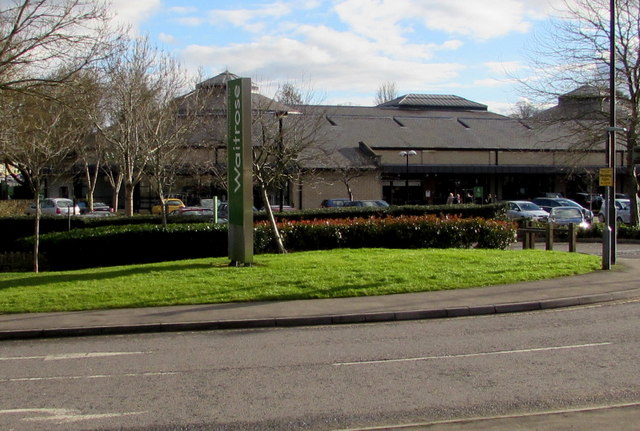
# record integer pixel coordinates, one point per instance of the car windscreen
(567, 213)
(567, 203)
(527, 206)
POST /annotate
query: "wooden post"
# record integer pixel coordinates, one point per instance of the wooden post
(573, 235)
(549, 240)
(527, 239)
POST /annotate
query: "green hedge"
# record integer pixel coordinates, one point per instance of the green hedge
(492, 211)
(121, 245)
(398, 232)
(14, 228)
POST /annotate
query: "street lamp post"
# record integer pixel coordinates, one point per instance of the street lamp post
(609, 232)
(406, 155)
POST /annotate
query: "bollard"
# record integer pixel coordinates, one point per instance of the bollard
(573, 237)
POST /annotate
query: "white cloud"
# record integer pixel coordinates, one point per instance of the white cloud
(131, 13)
(504, 108)
(333, 61)
(504, 67)
(190, 21)
(182, 9)
(166, 38)
(246, 18)
(392, 20)
(488, 82)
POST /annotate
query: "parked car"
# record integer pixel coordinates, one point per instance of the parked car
(590, 201)
(97, 206)
(334, 203)
(170, 204)
(526, 210)
(206, 203)
(568, 214)
(192, 212)
(623, 212)
(98, 214)
(276, 208)
(366, 203)
(548, 203)
(55, 206)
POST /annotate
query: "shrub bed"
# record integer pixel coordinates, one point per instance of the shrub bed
(15, 227)
(398, 232)
(121, 245)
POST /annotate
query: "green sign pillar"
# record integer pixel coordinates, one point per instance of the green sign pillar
(239, 172)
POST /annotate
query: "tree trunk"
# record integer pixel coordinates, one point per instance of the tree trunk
(128, 199)
(92, 180)
(633, 186)
(272, 221)
(36, 235)
(115, 195)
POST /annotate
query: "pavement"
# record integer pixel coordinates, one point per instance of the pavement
(620, 283)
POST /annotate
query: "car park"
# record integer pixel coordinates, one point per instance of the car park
(55, 207)
(276, 208)
(192, 212)
(334, 203)
(591, 201)
(97, 207)
(518, 210)
(623, 212)
(367, 203)
(170, 204)
(98, 214)
(548, 203)
(565, 215)
(206, 203)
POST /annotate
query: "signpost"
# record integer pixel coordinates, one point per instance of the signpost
(239, 172)
(606, 177)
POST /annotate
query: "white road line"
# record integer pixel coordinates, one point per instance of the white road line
(473, 355)
(64, 415)
(463, 421)
(64, 356)
(95, 376)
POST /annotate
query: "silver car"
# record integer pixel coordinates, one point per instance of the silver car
(623, 211)
(567, 215)
(55, 207)
(526, 210)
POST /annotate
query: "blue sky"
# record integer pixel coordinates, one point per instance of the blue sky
(343, 50)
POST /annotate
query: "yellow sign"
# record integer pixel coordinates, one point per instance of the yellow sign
(606, 177)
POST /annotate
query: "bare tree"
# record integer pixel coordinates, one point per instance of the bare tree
(386, 92)
(282, 142)
(576, 55)
(38, 140)
(524, 110)
(289, 94)
(169, 131)
(141, 115)
(38, 36)
(90, 151)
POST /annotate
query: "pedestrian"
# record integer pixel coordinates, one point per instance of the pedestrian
(450, 199)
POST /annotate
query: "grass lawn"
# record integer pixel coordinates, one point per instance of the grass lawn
(317, 274)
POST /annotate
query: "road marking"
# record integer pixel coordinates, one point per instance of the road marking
(64, 415)
(64, 356)
(473, 355)
(466, 421)
(95, 376)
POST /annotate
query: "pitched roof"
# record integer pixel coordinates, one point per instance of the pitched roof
(433, 101)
